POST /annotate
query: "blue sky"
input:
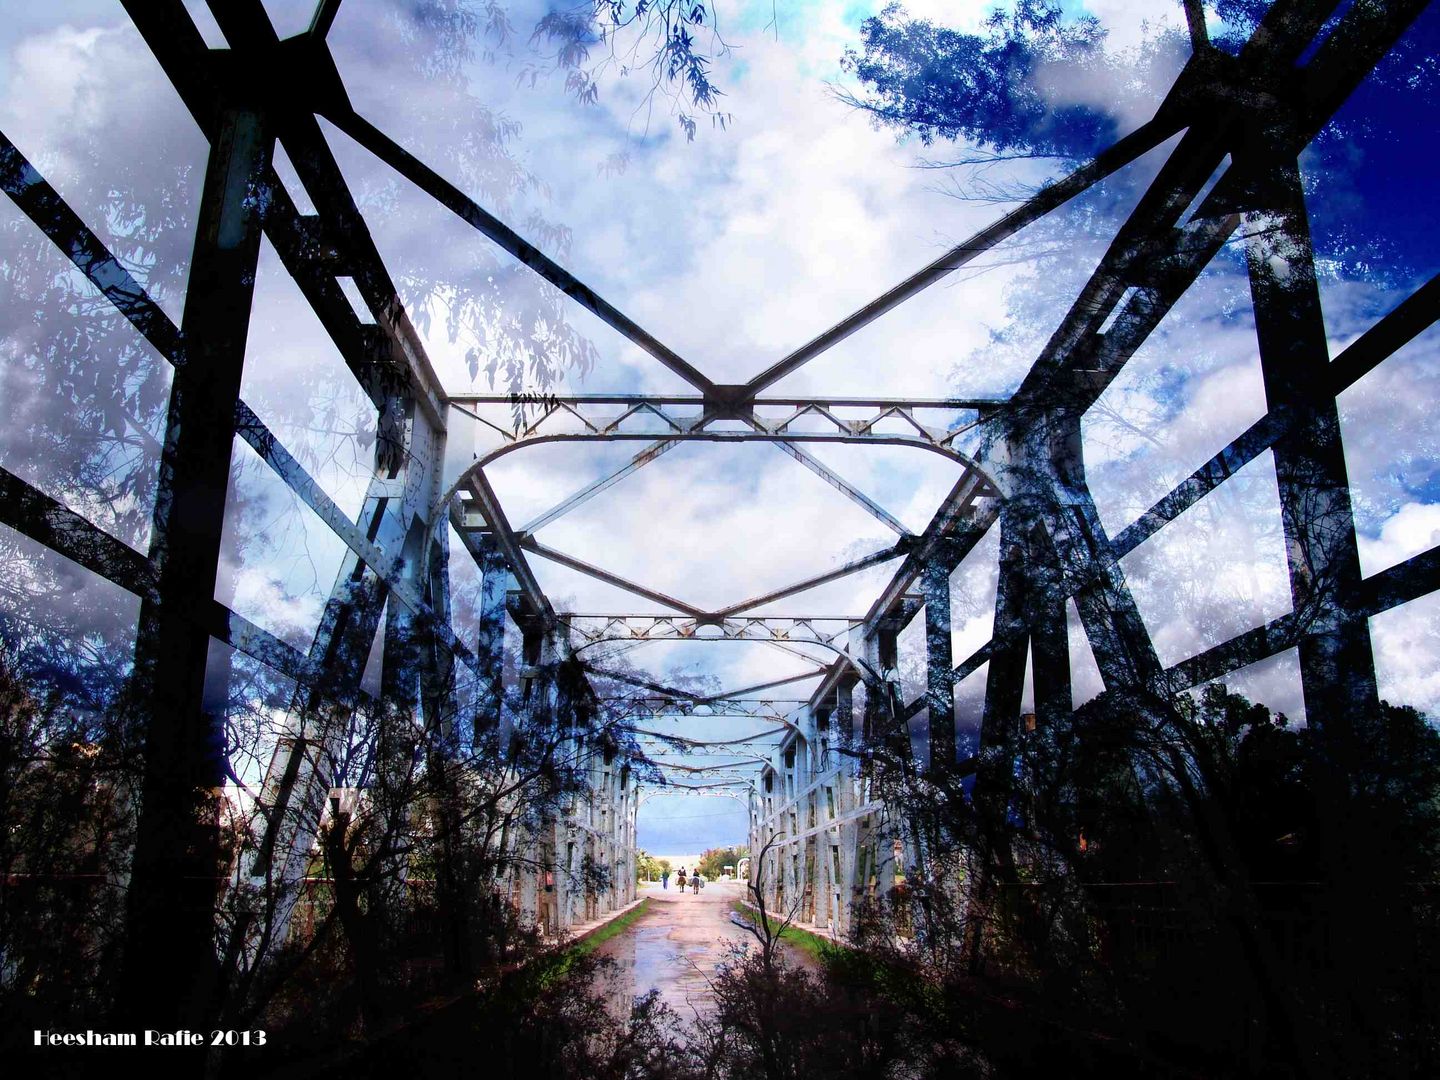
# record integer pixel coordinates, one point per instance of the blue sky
(734, 248)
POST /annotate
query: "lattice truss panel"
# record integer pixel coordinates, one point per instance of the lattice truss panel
(1023, 476)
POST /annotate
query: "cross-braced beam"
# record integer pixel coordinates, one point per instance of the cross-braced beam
(595, 629)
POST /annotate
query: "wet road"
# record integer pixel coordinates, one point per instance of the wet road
(676, 945)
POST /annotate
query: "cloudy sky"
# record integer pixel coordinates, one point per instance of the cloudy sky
(733, 248)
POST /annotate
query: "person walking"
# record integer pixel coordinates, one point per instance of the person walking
(665, 878)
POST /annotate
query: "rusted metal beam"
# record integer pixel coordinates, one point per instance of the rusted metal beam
(840, 484)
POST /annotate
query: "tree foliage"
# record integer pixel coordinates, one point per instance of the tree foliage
(649, 868)
(947, 84)
(715, 860)
(671, 40)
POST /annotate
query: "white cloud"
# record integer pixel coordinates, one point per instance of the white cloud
(92, 109)
(1414, 529)
(1406, 641)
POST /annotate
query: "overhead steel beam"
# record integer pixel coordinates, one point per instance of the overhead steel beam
(1147, 266)
(64, 228)
(48, 522)
(792, 650)
(718, 788)
(701, 743)
(488, 504)
(854, 494)
(94, 260)
(589, 491)
(594, 629)
(1407, 321)
(765, 685)
(783, 432)
(469, 211)
(1365, 34)
(1399, 584)
(1148, 249)
(529, 543)
(764, 708)
(199, 73)
(1256, 644)
(342, 225)
(637, 680)
(718, 767)
(36, 515)
(807, 425)
(959, 523)
(1137, 143)
(324, 17)
(171, 35)
(964, 404)
(270, 450)
(1253, 442)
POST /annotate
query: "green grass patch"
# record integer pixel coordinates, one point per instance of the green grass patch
(613, 928)
(821, 950)
(544, 971)
(849, 966)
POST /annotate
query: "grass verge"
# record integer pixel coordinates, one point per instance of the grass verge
(821, 950)
(546, 970)
(613, 928)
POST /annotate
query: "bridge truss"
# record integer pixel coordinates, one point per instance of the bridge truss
(1240, 123)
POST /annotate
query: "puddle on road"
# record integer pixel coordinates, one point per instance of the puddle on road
(675, 949)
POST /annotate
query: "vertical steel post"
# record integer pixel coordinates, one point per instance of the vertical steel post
(170, 965)
(496, 582)
(939, 663)
(1337, 669)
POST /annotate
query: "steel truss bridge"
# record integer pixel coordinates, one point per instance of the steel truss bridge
(1240, 123)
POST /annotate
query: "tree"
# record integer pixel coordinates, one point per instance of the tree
(715, 861)
(1128, 860)
(658, 37)
(65, 801)
(942, 83)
